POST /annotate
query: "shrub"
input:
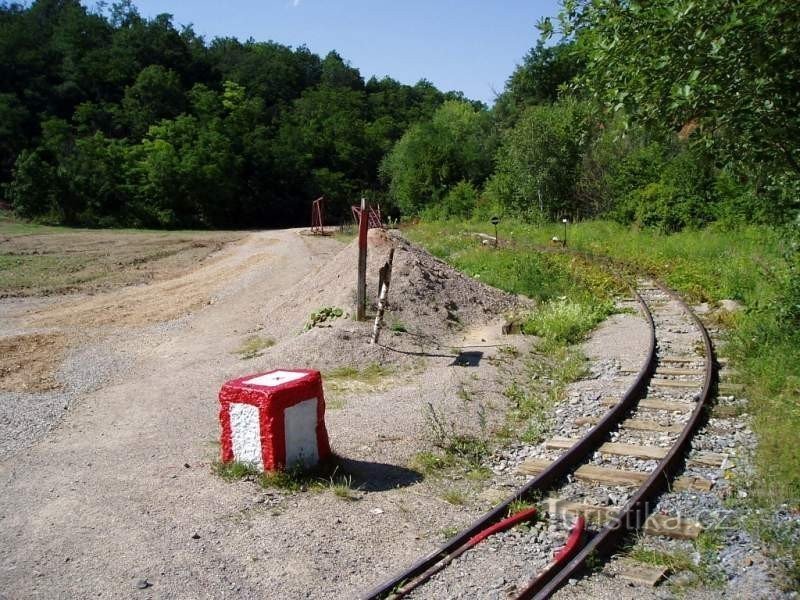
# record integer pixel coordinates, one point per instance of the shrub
(565, 321)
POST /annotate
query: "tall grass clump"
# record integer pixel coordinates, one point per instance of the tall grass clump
(565, 321)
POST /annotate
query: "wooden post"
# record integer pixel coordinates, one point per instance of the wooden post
(386, 280)
(361, 290)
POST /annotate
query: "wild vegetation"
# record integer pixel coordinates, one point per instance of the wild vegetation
(758, 266)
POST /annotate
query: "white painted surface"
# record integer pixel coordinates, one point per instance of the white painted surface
(301, 434)
(246, 435)
(276, 378)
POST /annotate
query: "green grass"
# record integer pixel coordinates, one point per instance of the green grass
(757, 266)
(548, 371)
(429, 463)
(371, 374)
(704, 569)
(342, 487)
(520, 505)
(455, 496)
(565, 321)
(253, 346)
(324, 476)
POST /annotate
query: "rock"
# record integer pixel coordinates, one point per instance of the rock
(195, 536)
(142, 584)
(730, 306)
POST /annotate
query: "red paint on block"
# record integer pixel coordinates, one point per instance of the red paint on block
(272, 401)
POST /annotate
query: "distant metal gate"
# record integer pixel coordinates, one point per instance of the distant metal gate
(373, 216)
(317, 222)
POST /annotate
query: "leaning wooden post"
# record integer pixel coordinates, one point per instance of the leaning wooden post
(386, 280)
(361, 290)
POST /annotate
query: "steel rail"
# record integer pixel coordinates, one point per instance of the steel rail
(565, 464)
(633, 515)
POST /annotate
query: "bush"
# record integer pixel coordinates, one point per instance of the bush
(537, 163)
(565, 321)
(459, 203)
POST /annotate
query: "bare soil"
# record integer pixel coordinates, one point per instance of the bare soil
(59, 261)
(29, 362)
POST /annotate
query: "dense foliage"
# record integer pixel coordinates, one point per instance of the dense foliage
(112, 119)
(668, 115)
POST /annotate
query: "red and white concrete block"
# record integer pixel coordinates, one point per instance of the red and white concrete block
(274, 420)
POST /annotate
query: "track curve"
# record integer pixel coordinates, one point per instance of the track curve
(635, 511)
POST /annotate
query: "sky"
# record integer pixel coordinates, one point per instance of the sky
(467, 45)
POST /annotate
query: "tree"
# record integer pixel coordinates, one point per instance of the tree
(537, 164)
(337, 73)
(728, 70)
(544, 71)
(156, 94)
(456, 145)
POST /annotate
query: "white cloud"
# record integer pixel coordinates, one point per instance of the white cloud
(295, 3)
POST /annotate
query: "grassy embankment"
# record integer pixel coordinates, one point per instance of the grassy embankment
(756, 266)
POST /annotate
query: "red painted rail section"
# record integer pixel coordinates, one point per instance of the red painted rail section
(507, 523)
(559, 561)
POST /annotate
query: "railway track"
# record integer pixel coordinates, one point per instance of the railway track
(598, 478)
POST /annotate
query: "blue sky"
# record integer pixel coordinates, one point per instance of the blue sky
(467, 45)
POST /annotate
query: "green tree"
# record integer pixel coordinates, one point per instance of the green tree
(538, 161)
(538, 80)
(456, 145)
(729, 71)
(157, 94)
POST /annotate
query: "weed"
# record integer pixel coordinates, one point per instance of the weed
(334, 402)
(253, 346)
(464, 394)
(454, 496)
(704, 569)
(675, 561)
(342, 487)
(519, 505)
(564, 321)
(324, 315)
(478, 474)
(232, 471)
(370, 374)
(448, 532)
(398, 327)
(293, 479)
(465, 448)
(509, 351)
(429, 463)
